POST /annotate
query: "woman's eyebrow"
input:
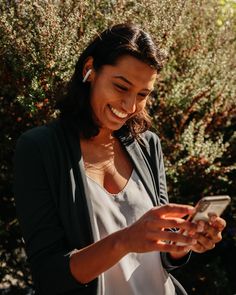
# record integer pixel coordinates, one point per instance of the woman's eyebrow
(128, 82)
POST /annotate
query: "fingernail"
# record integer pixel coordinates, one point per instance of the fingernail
(194, 242)
(213, 218)
(200, 227)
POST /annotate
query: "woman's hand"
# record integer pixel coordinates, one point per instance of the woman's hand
(145, 235)
(211, 234)
(206, 236)
(152, 231)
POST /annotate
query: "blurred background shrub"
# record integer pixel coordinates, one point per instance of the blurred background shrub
(193, 107)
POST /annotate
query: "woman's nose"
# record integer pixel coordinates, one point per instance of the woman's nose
(129, 104)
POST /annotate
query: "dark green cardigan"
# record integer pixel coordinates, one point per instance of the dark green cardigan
(55, 221)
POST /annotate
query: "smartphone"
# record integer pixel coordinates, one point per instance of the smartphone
(210, 205)
(206, 207)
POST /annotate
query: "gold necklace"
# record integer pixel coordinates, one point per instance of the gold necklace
(100, 170)
(101, 167)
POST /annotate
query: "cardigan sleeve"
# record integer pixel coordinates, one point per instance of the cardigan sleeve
(44, 237)
(168, 262)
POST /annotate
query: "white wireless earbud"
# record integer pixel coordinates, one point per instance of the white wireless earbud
(87, 75)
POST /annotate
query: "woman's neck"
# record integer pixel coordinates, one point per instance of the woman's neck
(104, 138)
(99, 149)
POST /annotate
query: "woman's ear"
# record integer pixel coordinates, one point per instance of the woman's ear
(88, 70)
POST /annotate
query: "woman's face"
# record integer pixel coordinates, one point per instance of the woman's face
(120, 91)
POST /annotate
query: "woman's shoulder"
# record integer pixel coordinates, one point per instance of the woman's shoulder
(40, 135)
(36, 132)
(150, 137)
(151, 141)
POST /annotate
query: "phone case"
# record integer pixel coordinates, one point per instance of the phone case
(207, 206)
(210, 205)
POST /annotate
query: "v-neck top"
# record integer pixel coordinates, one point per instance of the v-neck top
(136, 273)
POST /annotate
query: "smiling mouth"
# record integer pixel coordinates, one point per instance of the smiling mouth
(119, 114)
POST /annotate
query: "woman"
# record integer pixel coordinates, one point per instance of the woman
(90, 187)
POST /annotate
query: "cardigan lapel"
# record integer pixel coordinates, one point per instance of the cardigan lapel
(142, 167)
(79, 171)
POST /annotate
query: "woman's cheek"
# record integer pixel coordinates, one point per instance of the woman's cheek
(141, 105)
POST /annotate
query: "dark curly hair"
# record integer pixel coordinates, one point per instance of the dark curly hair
(106, 49)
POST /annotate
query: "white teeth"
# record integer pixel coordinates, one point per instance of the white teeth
(118, 114)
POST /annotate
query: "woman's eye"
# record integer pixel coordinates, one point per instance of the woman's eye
(146, 94)
(122, 88)
(143, 94)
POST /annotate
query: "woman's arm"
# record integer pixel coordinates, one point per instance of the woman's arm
(145, 235)
(88, 263)
(45, 241)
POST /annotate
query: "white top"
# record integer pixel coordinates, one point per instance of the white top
(134, 274)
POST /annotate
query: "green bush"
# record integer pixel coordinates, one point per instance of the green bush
(193, 108)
